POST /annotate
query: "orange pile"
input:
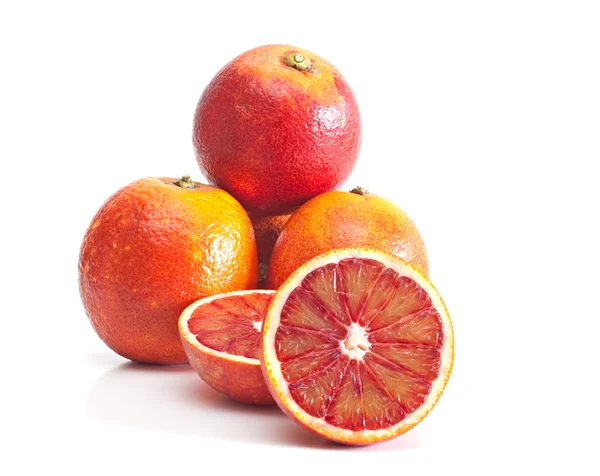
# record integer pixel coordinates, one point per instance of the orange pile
(350, 338)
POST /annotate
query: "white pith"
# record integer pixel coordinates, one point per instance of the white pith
(257, 325)
(357, 344)
(190, 338)
(272, 367)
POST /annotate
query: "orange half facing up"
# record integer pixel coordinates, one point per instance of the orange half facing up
(221, 338)
(357, 345)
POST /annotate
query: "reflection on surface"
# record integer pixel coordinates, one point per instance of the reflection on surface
(173, 399)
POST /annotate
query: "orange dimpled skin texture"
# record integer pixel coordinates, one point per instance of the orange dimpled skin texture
(275, 133)
(344, 219)
(152, 249)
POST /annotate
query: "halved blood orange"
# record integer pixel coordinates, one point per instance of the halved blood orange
(221, 338)
(357, 345)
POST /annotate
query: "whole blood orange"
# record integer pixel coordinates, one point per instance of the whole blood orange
(276, 126)
(266, 231)
(221, 337)
(154, 247)
(357, 345)
(341, 220)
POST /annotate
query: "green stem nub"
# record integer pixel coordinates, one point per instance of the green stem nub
(359, 191)
(298, 61)
(185, 182)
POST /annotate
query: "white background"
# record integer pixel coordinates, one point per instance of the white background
(480, 119)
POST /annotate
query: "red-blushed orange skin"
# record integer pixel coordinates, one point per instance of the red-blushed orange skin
(266, 231)
(344, 220)
(274, 136)
(152, 249)
(240, 381)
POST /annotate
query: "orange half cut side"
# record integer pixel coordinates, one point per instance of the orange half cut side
(357, 345)
(221, 338)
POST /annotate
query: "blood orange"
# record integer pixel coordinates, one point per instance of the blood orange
(276, 126)
(221, 338)
(154, 247)
(335, 220)
(357, 345)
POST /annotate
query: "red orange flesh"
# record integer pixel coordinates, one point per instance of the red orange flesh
(357, 345)
(221, 337)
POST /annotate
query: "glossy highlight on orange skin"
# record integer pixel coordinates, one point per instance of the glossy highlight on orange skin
(152, 249)
(274, 136)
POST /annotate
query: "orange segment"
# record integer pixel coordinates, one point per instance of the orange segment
(358, 279)
(379, 297)
(409, 390)
(379, 408)
(423, 327)
(407, 298)
(258, 307)
(293, 342)
(237, 341)
(301, 310)
(326, 286)
(315, 392)
(357, 345)
(422, 360)
(346, 410)
(308, 364)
